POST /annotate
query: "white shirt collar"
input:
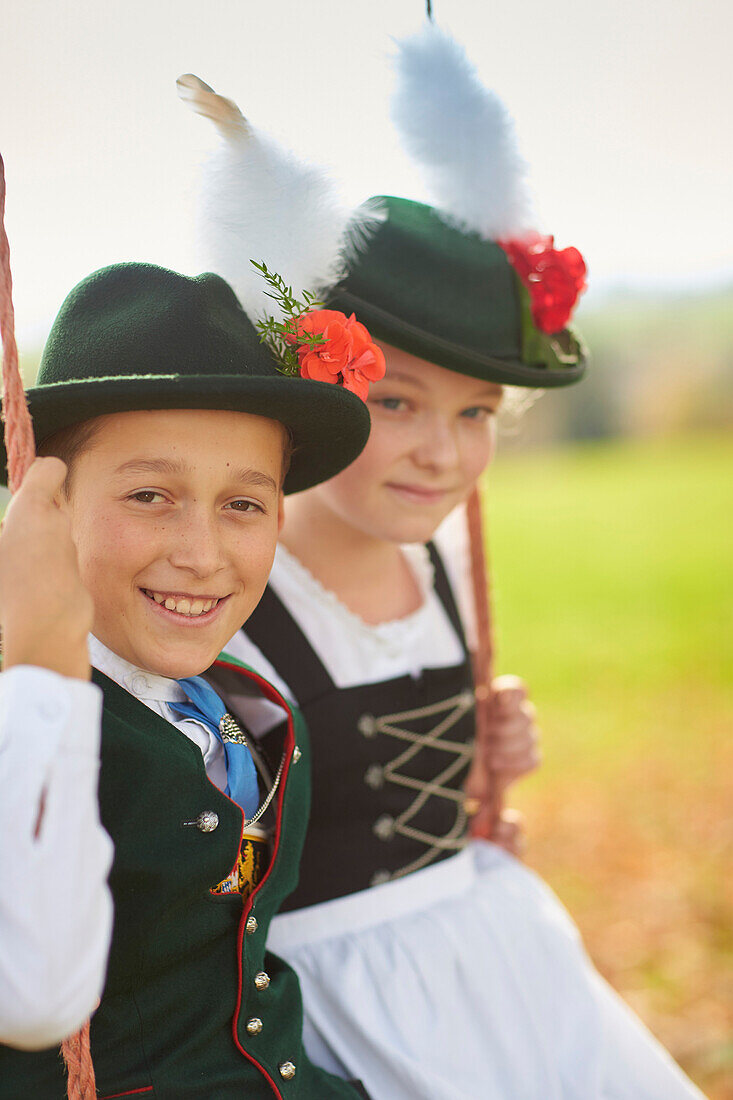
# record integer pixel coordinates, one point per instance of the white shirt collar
(145, 685)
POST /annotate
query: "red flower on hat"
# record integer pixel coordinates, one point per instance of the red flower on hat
(322, 344)
(346, 353)
(554, 278)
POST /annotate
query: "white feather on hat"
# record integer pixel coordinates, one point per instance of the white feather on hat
(462, 135)
(260, 202)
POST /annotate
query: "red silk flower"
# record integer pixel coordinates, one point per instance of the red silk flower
(347, 354)
(554, 278)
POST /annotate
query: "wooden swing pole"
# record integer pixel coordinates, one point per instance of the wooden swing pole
(484, 654)
(21, 451)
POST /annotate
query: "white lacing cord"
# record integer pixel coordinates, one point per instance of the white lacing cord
(457, 706)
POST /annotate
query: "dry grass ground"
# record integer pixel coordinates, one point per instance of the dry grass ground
(612, 571)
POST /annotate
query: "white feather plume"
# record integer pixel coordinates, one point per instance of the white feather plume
(260, 202)
(462, 135)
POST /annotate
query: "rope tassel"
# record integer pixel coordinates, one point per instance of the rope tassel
(21, 451)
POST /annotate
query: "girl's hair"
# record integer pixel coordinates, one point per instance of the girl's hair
(515, 403)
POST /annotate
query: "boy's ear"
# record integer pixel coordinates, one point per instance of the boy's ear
(280, 511)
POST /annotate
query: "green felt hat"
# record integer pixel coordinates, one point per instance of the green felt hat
(135, 336)
(449, 296)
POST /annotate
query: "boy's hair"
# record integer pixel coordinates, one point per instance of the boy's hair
(69, 443)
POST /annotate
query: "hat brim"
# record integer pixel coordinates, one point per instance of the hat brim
(329, 425)
(390, 329)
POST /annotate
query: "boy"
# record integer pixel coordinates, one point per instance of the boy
(178, 436)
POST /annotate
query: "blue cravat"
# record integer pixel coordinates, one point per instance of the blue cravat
(205, 706)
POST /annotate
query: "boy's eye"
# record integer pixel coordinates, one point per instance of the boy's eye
(148, 496)
(245, 506)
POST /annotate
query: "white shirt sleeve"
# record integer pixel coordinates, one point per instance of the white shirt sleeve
(55, 904)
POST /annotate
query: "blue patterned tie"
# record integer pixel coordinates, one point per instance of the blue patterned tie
(206, 707)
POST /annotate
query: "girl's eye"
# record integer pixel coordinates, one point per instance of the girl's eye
(148, 496)
(392, 404)
(478, 412)
(244, 506)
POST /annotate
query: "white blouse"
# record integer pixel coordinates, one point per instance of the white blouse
(355, 652)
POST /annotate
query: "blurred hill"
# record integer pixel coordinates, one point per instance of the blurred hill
(660, 364)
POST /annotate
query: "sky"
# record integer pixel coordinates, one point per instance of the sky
(622, 108)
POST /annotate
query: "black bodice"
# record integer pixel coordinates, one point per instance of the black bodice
(389, 759)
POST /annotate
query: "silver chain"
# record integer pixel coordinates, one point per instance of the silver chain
(270, 795)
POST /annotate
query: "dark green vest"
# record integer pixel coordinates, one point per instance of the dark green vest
(186, 966)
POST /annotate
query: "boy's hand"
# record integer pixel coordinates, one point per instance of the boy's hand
(511, 750)
(45, 610)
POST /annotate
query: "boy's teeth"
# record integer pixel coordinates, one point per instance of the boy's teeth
(183, 605)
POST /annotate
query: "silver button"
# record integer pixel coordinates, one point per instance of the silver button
(262, 980)
(374, 776)
(139, 683)
(206, 821)
(254, 1026)
(287, 1070)
(383, 827)
(296, 754)
(367, 725)
(251, 925)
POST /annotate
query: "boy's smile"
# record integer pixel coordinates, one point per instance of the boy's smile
(175, 515)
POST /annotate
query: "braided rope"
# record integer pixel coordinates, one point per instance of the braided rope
(77, 1054)
(19, 442)
(21, 451)
(484, 655)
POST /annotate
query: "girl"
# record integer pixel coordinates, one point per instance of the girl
(432, 967)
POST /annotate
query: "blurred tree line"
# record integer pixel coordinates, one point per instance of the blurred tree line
(660, 364)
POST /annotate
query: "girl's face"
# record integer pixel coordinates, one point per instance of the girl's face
(432, 435)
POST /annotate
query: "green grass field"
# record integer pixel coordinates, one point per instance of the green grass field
(613, 597)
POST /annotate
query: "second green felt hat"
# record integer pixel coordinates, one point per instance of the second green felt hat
(446, 295)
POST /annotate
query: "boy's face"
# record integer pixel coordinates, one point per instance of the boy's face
(175, 516)
(432, 435)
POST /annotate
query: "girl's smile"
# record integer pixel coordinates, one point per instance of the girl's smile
(419, 494)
